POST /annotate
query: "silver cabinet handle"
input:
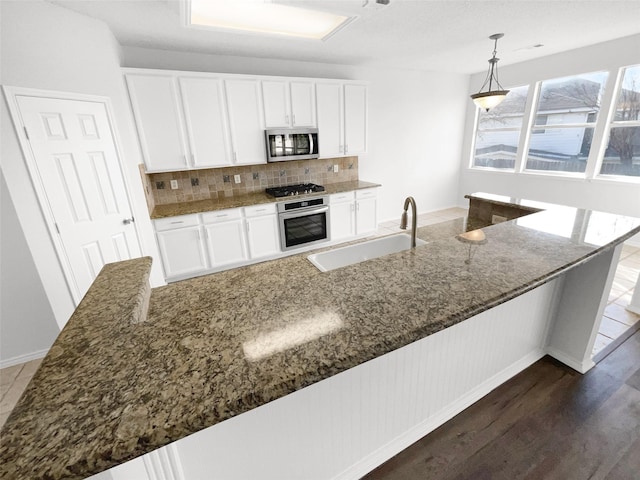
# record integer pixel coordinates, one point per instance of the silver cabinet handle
(184, 159)
(127, 221)
(346, 148)
(294, 119)
(181, 221)
(222, 215)
(286, 119)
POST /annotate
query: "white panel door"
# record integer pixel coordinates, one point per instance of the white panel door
(182, 251)
(329, 109)
(302, 104)
(342, 220)
(355, 119)
(276, 106)
(366, 215)
(77, 164)
(262, 233)
(226, 242)
(206, 120)
(245, 120)
(156, 107)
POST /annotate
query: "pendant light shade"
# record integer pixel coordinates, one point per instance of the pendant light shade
(495, 93)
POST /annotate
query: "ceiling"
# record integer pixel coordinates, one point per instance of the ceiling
(431, 35)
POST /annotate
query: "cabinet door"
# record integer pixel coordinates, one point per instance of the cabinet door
(182, 251)
(155, 104)
(329, 111)
(245, 121)
(205, 118)
(302, 104)
(226, 243)
(366, 215)
(355, 119)
(262, 233)
(342, 220)
(276, 106)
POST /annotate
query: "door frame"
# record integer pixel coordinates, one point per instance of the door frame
(11, 93)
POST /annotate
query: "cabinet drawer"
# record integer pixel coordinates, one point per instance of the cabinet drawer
(170, 223)
(367, 193)
(262, 209)
(341, 197)
(222, 215)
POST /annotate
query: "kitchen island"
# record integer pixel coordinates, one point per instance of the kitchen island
(277, 370)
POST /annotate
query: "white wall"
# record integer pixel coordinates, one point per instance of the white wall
(415, 120)
(28, 335)
(48, 47)
(606, 195)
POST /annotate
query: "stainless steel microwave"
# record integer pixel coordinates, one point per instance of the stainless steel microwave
(291, 144)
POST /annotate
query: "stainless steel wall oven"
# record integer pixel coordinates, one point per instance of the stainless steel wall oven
(303, 222)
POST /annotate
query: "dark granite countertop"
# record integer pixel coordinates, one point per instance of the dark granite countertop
(200, 206)
(524, 204)
(216, 346)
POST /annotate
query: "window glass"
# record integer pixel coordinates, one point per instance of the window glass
(498, 132)
(622, 155)
(565, 117)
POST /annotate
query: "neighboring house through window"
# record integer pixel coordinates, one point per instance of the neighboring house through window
(498, 132)
(622, 153)
(565, 118)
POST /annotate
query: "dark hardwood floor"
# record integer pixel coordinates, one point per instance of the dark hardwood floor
(548, 422)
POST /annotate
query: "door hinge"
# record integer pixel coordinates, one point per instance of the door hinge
(26, 133)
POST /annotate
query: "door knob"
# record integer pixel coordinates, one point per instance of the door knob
(127, 221)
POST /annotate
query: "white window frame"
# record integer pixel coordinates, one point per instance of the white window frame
(521, 130)
(551, 126)
(612, 123)
(601, 128)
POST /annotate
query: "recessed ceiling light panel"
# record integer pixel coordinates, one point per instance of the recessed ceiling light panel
(259, 16)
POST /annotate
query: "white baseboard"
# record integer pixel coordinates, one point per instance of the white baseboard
(414, 434)
(582, 366)
(27, 357)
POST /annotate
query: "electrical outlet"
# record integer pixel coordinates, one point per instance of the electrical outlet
(236, 178)
(174, 184)
(498, 219)
(335, 168)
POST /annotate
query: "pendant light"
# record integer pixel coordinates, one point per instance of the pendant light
(494, 94)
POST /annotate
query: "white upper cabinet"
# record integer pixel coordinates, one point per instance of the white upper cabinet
(206, 121)
(330, 129)
(288, 104)
(198, 120)
(276, 104)
(302, 104)
(245, 121)
(156, 107)
(342, 119)
(355, 119)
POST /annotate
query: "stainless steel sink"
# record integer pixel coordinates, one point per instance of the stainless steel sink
(360, 252)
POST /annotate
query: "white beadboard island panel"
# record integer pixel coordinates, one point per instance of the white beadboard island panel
(346, 425)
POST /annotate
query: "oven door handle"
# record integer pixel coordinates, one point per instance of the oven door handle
(303, 212)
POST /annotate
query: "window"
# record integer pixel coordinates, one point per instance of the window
(565, 118)
(498, 132)
(622, 155)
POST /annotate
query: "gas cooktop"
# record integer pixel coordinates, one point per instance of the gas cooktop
(290, 190)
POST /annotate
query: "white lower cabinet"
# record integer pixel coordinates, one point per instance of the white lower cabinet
(226, 242)
(353, 213)
(181, 246)
(342, 215)
(194, 244)
(262, 230)
(366, 211)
